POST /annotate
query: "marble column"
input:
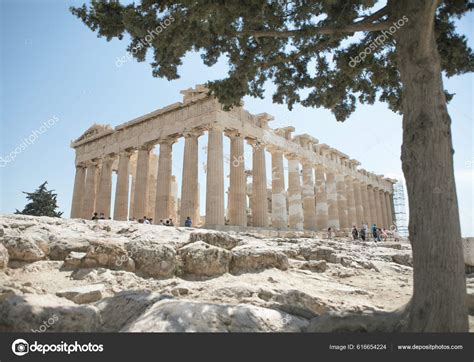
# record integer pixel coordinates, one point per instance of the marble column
(78, 192)
(333, 207)
(88, 206)
(141, 182)
(259, 185)
(365, 201)
(342, 201)
(389, 209)
(189, 183)
(351, 207)
(122, 187)
(294, 193)
(359, 203)
(215, 178)
(133, 179)
(163, 205)
(322, 211)
(384, 209)
(392, 208)
(378, 207)
(372, 208)
(104, 194)
(309, 204)
(152, 181)
(198, 206)
(279, 212)
(174, 199)
(237, 183)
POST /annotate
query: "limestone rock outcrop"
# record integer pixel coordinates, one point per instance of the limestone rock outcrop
(202, 259)
(83, 295)
(4, 257)
(23, 248)
(60, 248)
(219, 239)
(124, 307)
(110, 276)
(153, 259)
(27, 312)
(109, 253)
(315, 265)
(250, 260)
(403, 259)
(190, 316)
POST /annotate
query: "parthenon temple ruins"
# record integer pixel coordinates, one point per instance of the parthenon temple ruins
(325, 186)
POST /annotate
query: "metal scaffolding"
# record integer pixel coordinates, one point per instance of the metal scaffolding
(400, 206)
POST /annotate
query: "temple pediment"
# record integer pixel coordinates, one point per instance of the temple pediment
(94, 130)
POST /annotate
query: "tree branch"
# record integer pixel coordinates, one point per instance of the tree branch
(296, 55)
(366, 24)
(375, 16)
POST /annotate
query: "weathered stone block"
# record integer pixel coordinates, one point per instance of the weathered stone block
(152, 258)
(203, 259)
(84, 294)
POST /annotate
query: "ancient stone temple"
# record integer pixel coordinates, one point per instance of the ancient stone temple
(325, 187)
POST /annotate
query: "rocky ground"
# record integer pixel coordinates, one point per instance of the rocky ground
(74, 275)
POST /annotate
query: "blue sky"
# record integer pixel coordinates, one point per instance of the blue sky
(51, 65)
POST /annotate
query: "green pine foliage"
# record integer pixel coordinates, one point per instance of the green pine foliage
(303, 47)
(42, 202)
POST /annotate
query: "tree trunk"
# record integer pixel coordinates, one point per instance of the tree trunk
(439, 296)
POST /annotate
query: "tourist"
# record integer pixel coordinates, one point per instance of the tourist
(161, 222)
(145, 220)
(384, 234)
(329, 233)
(167, 222)
(95, 217)
(171, 223)
(355, 233)
(396, 235)
(102, 216)
(363, 233)
(374, 231)
(378, 235)
(188, 222)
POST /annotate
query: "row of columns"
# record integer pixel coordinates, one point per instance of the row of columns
(323, 199)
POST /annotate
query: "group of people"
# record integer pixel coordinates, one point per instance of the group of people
(167, 222)
(147, 220)
(378, 234)
(100, 216)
